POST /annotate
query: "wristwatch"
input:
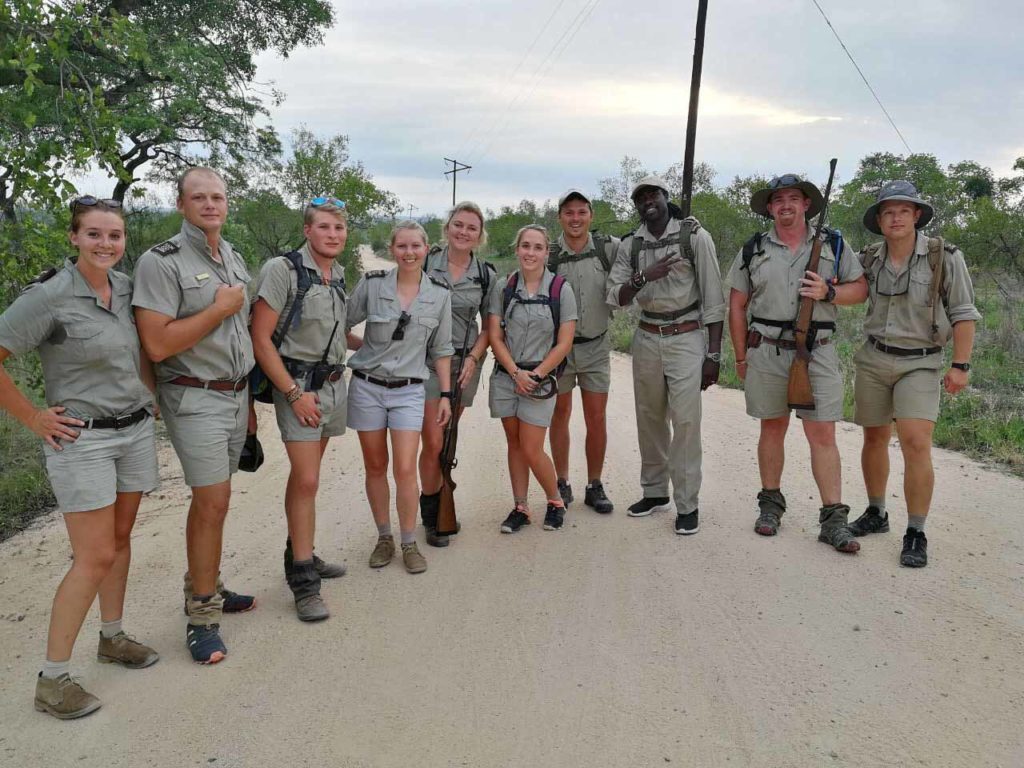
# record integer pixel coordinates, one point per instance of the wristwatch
(715, 357)
(965, 367)
(830, 295)
(447, 393)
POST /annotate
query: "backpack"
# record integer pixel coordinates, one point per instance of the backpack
(553, 300)
(600, 252)
(936, 288)
(483, 276)
(753, 247)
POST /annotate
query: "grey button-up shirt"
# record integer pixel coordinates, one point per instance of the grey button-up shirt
(90, 354)
(427, 334)
(182, 281)
(323, 310)
(467, 293)
(905, 320)
(529, 328)
(589, 282)
(685, 284)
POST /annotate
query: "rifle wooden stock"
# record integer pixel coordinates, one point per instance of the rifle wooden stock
(799, 393)
(447, 523)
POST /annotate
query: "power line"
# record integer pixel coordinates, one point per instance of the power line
(862, 77)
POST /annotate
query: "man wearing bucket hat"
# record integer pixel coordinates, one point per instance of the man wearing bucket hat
(669, 265)
(768, 279)
(584, 259)
(920, 296)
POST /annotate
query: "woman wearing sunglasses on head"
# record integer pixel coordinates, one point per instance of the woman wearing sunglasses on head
(299, 339)
(408, 321)
(531, 322)
(97, 433)
(470, 280)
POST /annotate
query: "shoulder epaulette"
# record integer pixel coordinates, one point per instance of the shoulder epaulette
(439, 281)
(41, 278)
(950, 248)
(166, 248)
(434, 249)
(375, 273)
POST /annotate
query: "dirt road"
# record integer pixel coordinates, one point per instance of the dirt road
(613, 642)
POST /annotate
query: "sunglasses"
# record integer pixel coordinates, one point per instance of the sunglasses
(886, 285)
(787, 180)
(403, 321)
(320, 202)
(88, 201)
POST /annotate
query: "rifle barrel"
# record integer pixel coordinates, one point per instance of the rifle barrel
(691, 120)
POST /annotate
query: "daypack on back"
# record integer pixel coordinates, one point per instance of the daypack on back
(684, 239)
(600, 252)
(553, 301)
(937, 264)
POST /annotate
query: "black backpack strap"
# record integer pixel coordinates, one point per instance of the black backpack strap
(303, 281)
(752, 248)
(601, 247)
(554, 252)
(484, 271)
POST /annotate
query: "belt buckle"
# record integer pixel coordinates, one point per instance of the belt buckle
(669, 329)
(122, 422)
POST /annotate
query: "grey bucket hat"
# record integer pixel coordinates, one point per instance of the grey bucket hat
(759, 200)
(898, 190)
(650, 181)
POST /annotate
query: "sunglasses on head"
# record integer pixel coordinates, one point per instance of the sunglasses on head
(403, 321)
(320, 202)
(786, 180)
(87, 201)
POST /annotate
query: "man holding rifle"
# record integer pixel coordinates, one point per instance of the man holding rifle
(768, 280)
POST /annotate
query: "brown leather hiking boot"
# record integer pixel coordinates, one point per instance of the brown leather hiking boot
(414, 561)
(383, 552)
(63, 698)
(126, 651)
(834, 530)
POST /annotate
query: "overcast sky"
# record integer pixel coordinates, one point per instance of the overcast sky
(412, 82)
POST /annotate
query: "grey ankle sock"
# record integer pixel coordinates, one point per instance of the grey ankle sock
(384, 530)
(54, 669)
(408, 537)
(302, 563)
(110, 628)
(916, 522)
(877, 502)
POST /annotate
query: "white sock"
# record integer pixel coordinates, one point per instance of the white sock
(110, 628)
(54, 669)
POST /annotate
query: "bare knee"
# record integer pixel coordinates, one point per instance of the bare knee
(820, 434)
(774, 430)
(376, 467)
(916, 446)
(305, 482)
(877, 437)
(96, 563)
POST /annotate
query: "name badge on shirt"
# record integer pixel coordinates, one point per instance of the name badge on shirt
(203, 276)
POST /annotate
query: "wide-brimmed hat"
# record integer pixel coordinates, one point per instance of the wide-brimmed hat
(759, 200)
(573, 193)
(898, 190)
(650, 181)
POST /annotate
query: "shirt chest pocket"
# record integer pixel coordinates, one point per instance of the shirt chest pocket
(379, 328)
(424, 327)
(826, 267)
(318, 306)
(920, 287)
(197, 293)
(91, 341)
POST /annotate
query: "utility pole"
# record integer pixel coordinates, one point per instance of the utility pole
(457, 168)
(411, 209)
(691, 122)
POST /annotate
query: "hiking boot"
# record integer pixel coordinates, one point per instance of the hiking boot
(594, 496)
(204, 643)
(553, 518)
(232, 602)
(834, 530)
(64, 698)
(414, 561)
(126, 651)
(304, 582)
(915, 549)
(870, 522)
(325, 569)
(516, 519)
(383, 552)
(648, 505)
(688, 524)
(430, 504)
(771, 506)
(565, 491)
(312, 608)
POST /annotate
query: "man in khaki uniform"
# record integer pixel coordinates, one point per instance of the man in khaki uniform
(192, 309)
(920, 296)
(768, 279)
(584, 259)
(669, 265)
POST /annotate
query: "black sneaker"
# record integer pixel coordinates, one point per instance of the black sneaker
(649, 504)
(595, 497)
(553, 518)
(915, 549)
(688, 524)
(870, 522)
(565, 491)
(236, 603)
(204, 643)
(516, 519)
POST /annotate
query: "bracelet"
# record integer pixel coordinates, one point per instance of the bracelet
(293, 394)
(447, 394)
(638, 280)
(741, 362)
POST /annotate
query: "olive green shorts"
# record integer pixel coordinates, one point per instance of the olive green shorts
(588, 365)
(433, 386)
(207, 429)
(505, 402)
(768, 380)
(890, 387)
(333, 414)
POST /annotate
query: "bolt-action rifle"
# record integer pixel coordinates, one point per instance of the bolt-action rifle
(447, 523)
(799, 392)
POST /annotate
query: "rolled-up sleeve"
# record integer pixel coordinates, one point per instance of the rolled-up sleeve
(709, 278)
(274, 283)
(27, 322)
(620, 273)
(567, 309)
(440, 344)
(959, 290)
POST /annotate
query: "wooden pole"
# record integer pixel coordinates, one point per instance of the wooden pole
(691, 120)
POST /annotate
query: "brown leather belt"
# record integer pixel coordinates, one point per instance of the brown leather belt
(216, 385)
(673, 329)
(791, 343)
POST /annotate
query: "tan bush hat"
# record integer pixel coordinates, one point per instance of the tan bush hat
(759, 200)
(650, 181)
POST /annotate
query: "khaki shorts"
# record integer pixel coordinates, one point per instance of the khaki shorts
(505, 402)
(372, 407)
(89, 472)
(890, 387)
(433, 386)
(768, 379)
(207, 429)
(589, 366)
(333, 415)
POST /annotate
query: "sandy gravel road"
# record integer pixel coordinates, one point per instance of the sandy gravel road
(613, 642)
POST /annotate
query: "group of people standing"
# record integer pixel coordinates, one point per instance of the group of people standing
(184, 340)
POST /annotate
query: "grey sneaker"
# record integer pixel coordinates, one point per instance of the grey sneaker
(565, 491)
(383, 552)
(414, 561)
(64, 698)
(915, 549)
(834, 530)
(126, 651)
(771, 507)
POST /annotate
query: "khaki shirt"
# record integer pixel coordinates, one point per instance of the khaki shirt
(529, 328)
(773, 281)
(178, 279)
(322, 313)
(682, 286)
(467, 294)
(589, 282)
(90, 354)
(906, 320)
(427, 335)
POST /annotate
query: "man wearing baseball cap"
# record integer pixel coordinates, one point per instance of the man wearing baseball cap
(584, 259)
(768, 280)
(920, 297)
(668, 265)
